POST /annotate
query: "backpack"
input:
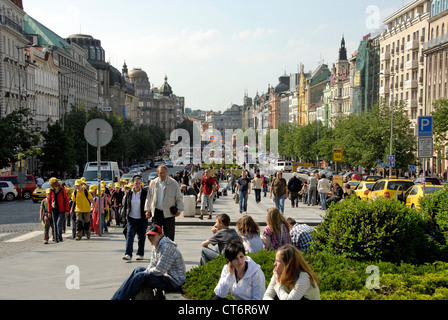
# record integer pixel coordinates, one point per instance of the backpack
(86, 194)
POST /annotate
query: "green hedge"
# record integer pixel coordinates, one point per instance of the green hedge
(434, 208)
(383, 229)
(340, 278)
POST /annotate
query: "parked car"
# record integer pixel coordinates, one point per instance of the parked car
(390, 188)
(30, 185)
(371, 178)
(413, 195)
(1, 194)
(302, 169)
(432, 180)
(152, 176)
(358, 176)
(9, 190)
(311, 170)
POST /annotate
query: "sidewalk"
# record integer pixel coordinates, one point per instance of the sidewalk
(51, 271)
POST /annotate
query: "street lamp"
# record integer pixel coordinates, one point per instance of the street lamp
(62, 105)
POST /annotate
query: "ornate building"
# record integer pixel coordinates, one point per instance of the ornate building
(340, 84)
(159, 107)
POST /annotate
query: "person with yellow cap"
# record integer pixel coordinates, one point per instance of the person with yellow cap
(81, 199)
(46, 218)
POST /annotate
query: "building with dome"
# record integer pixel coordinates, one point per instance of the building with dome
(159, 107)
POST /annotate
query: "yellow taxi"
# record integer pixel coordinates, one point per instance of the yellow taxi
(353, 183)
(390, 188)
(363, 189)
(40, 193)
(413, 195)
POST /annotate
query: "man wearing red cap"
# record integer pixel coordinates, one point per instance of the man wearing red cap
(166, 270)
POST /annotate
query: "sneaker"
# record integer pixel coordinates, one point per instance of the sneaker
(210, 217)
(201, 217)
(127, 257)
(139, 257)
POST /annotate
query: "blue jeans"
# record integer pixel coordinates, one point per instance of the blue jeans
(58, 225)
(243, 200)
(136, 226)
(139, 279)
(323, 200)
(207, 255)
(280, 203)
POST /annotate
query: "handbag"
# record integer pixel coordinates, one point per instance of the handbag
(236, 197)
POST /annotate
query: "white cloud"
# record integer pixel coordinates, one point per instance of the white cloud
(256, 34)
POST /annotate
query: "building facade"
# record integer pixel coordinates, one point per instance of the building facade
(402, 63)
(435, 50)
(340, 85)
(14, 57)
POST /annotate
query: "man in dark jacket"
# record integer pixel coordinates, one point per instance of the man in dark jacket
(135, 216)
(294, 187)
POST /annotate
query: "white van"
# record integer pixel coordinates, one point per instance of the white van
(283, 165)
(109, 172)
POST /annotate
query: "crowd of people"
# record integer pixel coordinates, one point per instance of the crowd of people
(133, 205)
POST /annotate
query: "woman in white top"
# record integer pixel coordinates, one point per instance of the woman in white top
(241, 276)
(324, 188)
(249, 232)
(292, 278)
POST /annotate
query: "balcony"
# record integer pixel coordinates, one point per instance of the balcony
(435, 42)
(411, 84)
(385, 56)
(384, 90)
(385, 73)
(412, 103)
(411, 65)
(412, 45)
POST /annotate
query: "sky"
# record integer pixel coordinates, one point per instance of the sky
(216, 51)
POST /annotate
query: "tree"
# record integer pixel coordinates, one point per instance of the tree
(59, 154)
(440, 118)
(20, 135)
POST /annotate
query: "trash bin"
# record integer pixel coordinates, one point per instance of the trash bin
(189, 206)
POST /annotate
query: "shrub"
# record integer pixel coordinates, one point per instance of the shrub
(380, 230)
(434, 208)
(339, 278)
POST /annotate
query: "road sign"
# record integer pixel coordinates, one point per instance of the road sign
(425, 147)
(391, 161)
(411, 169)
(338, 156)
(425, 126)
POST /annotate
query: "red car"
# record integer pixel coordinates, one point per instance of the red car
(358, 176)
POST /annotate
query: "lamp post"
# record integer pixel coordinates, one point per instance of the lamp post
(63, 106)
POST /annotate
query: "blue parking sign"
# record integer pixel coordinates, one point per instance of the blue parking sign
(425, 126)
(391, 161)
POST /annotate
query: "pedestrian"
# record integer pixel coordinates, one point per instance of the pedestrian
(117, 203)
(294, 187)
(265, 184)
(165, 202)
(231, 180)
(280, 191)
(81, 207)
(304, 192)
(166, 271)
(206, 193)
(222, 236)
(336, 195)
(186, 190)
(258, 184)
(58, 206)
(136, 220)
(324, 188)
(301, 235)
(241, 276)
(45, 218)
(94, 222)
(249, 232)
(312, 189)
(292, 277)
(348, 191)
(276, 232)
(243, 191)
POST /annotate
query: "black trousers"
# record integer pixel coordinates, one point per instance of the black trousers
(168, 225)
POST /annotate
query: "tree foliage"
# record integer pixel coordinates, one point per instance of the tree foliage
(20, 135)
